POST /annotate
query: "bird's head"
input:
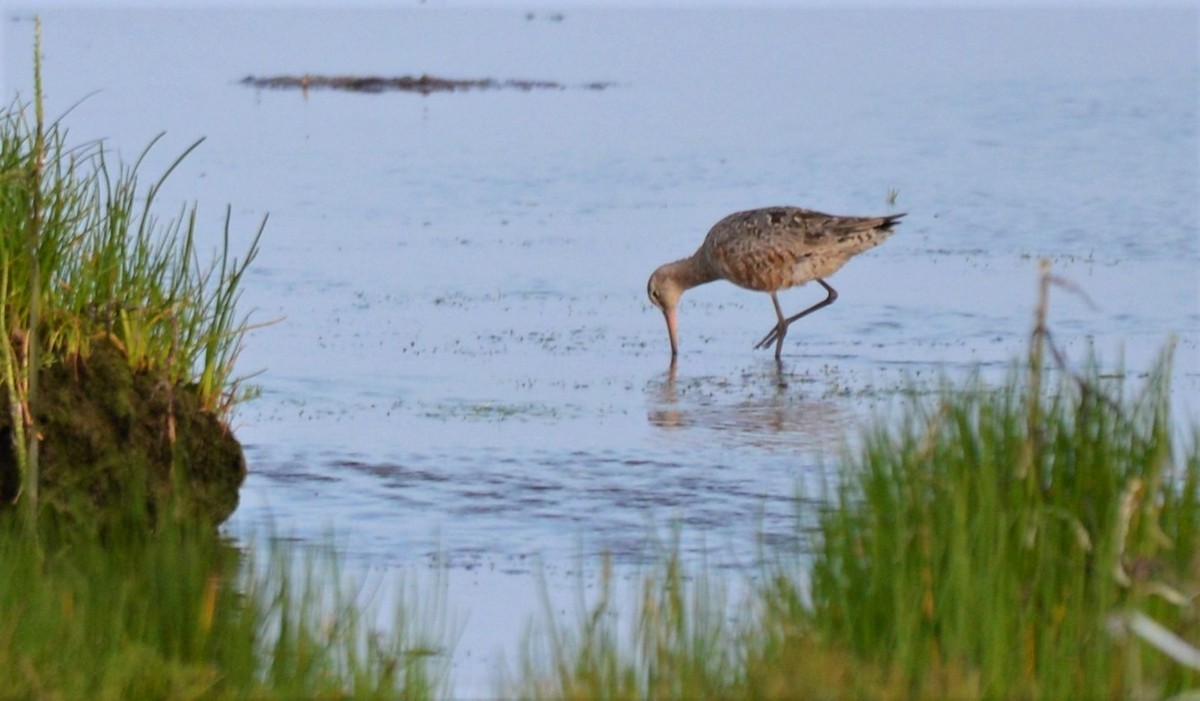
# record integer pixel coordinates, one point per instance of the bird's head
(664, 290)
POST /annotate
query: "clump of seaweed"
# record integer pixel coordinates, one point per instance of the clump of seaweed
(423, 84)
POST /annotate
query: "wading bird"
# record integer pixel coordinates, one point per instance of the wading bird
(768, 250)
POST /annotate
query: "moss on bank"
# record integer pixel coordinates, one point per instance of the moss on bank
(118, 443)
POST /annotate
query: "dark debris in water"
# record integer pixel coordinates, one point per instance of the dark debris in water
(424, 84)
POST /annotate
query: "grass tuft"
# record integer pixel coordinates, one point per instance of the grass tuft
(112, 267)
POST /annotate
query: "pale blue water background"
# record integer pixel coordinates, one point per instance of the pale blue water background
(467, 370)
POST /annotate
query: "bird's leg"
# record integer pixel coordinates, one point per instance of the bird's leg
(777, 334)
(780, 378)
(829, 299)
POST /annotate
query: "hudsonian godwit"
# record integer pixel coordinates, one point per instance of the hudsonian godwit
(768, 250)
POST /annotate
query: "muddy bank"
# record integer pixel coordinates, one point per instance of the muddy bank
(423, 85)
(117, 443)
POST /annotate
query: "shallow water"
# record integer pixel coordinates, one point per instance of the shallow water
(466, 369)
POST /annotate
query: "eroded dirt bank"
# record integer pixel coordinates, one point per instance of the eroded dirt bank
(115, 442)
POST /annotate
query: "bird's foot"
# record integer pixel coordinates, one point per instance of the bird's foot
(776, 334)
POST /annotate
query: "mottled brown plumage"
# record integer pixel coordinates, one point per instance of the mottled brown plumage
(768, 250)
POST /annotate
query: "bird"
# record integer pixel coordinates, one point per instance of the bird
(768, 250)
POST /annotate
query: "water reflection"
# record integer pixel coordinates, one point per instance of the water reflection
(771, 404)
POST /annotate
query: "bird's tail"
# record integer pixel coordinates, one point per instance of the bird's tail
(887, 222)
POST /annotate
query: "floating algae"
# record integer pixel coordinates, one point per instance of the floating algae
(423, 84)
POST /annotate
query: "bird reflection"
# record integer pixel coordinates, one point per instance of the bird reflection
(664, 411)
(765, 405)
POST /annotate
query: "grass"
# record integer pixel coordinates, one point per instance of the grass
(173, 611)
(984, 554)
(182, 614)
(677, 645)
(1036, 539)
(84, 256)
(113, 267)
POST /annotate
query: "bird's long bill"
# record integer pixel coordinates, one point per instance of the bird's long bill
(669, 314)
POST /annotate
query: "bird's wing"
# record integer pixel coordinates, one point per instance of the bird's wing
(776, 247)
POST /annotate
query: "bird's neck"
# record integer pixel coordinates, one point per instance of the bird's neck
(690, 272)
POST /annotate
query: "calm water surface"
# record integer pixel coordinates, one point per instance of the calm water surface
(466, 369)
